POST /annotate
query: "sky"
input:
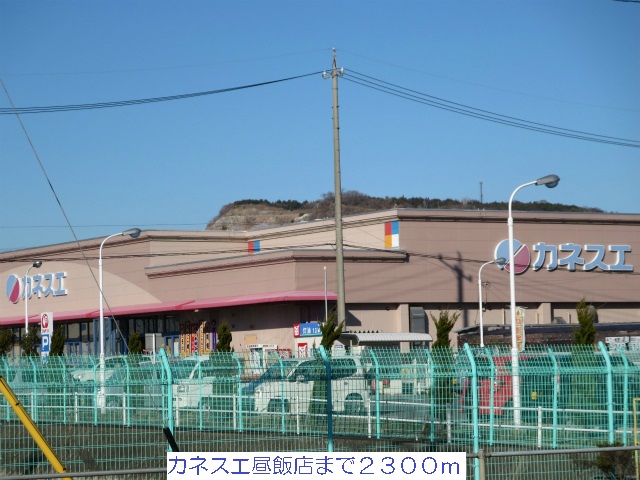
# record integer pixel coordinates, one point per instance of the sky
(572, 65)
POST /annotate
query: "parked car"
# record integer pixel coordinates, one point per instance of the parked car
(395, 372)
(276, 372)
(35, 383)
(124, 378)
(87, 372)
(304, 386)
(200, 382)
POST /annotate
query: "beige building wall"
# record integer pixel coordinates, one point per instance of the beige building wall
(435, 267)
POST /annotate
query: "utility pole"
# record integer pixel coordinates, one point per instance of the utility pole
(335, 73)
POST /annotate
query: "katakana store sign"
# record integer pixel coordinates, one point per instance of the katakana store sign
(41, 285)
(611, 258)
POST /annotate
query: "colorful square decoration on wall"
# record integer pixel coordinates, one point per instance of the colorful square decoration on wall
(392, 234)
(254, 247)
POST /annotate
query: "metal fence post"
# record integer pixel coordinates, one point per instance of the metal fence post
(327, 365)
(64, 386)
(167, 369)
(239, 377)
(369, 418)
(200, 401)
(607, 359)
(432, 407)
(482, 464)
(126, 395)
(296, 402)
(95, 390)
(448, 423)
(377, 391)
(492, 394)
(282, 380)
(539, 426)
(556, 393)
(474, 390)
(625, 399)
(34, 392)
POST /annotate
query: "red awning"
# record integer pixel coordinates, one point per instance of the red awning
(13, 320)
(144, 308)
(95, 313)
(73, 315)
(275, 297)
(34, 319)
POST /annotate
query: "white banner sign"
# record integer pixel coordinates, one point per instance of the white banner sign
(616, 340)
(363, 465)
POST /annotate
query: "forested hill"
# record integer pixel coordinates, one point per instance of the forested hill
(259, 214)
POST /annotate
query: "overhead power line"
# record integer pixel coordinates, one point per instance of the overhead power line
(235, 61)
(123, 103)
(441, 103)
(369, 82)
(47, 178)
(491, 87)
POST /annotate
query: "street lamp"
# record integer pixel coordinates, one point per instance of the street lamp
(550, 181)
(499, 261)
(27, 292)
(133, 233)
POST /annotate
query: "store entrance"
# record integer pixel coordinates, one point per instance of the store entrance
(172, 345)
(73, 348)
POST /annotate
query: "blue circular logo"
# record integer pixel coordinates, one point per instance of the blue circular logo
(14, 288)
(521, 256)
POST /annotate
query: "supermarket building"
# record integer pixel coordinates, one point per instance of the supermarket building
(273, 286)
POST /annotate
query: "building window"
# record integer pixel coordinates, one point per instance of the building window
(73, 331)
(417, 320)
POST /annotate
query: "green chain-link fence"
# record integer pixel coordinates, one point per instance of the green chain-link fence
(110, 415)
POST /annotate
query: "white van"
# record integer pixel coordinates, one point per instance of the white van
(198, 382)
(91, 373)
(294, 394)
(88, 371)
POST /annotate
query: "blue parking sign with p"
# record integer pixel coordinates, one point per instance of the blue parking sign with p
(45, 343)
(46, 329)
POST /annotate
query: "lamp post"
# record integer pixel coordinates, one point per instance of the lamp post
(550, 181)
(27, 292)
(497, 260)
(133, 233)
